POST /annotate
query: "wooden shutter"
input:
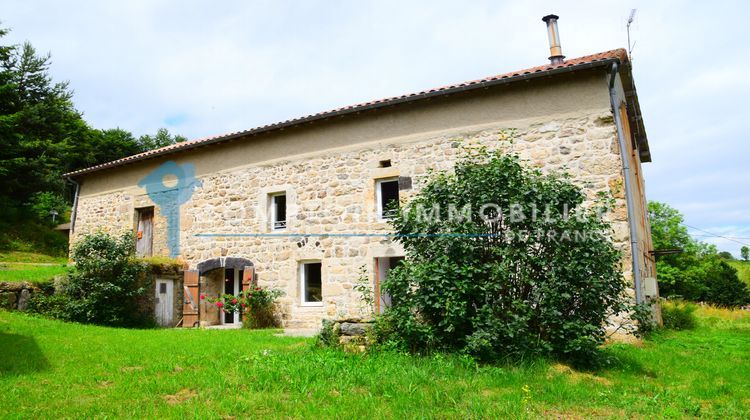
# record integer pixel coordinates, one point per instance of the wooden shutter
(248, 276)
(190, 309)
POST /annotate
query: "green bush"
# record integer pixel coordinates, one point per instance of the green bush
(678, 315)
(255, 304)
(105, 287)
(53, 306)
(492, 285)
(327, 337)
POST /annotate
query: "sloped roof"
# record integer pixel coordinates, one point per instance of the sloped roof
(579, 63)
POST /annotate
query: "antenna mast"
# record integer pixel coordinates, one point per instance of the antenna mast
(631, 18)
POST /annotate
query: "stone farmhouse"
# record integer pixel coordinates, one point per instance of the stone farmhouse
(298, 205)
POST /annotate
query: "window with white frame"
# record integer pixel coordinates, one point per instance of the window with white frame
(277, 211)
(311, 284)
(387, 193)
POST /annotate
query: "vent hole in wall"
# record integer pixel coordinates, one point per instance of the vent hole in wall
(385, 163)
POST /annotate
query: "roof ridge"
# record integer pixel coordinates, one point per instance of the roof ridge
(619, 53)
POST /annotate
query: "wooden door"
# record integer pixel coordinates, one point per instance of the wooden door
(144, 232)
(164, 303)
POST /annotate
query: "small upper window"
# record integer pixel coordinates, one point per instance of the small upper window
(278, 211)
(387, 194)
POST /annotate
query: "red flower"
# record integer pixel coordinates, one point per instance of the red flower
(219, 304)
(234, 301)
(243, 305)
(203, 297)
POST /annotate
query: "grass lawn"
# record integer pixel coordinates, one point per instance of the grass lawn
(55, 369)
(28, 266)
(28, 272)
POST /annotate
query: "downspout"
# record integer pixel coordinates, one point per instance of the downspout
(625, 157)
(75, 204)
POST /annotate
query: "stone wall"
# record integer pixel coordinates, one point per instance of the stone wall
(16, 295)
(333, 192)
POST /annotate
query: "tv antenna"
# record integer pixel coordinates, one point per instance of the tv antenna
(631, 18)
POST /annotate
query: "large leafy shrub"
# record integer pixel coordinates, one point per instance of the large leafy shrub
(535, 273)
(105, 287)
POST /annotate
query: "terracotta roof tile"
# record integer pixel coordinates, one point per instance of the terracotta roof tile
(619, 54)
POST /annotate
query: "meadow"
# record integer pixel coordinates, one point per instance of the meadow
(55, 369)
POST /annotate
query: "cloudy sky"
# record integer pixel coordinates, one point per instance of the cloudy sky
(201, 68)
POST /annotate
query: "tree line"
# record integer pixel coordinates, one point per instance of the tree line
(44, 136)
(699, 272)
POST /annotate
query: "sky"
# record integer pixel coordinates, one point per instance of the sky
(202, 68)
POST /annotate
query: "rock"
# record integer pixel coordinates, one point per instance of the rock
(23, 299)
(350, 328)
(549, 127)
(13, 286)
(8, 300)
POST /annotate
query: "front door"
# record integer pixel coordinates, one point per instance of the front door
(232, 286)
(164, 302)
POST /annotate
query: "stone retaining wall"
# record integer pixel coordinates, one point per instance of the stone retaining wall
(16, 295)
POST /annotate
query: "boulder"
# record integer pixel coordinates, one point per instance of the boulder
(23, 299)
(351, 328)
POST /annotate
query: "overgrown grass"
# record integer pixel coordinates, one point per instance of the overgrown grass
(743, 269)
(54, 369)
(15, 272)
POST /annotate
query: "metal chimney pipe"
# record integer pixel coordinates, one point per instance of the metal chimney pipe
(555, 50)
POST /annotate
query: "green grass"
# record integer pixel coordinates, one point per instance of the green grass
(30, 257)
(14, 272)
(743, 269)
(16, 266)
(55, 369)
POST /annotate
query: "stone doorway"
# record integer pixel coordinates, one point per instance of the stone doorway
(218, 276)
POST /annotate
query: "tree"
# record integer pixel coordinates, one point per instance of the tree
(44, 136)
(699, 273)
(38, 124)
(494, 267)
(161, 139)
(745, 253)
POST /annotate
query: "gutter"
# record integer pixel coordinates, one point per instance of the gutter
(75, 203)
(635, 254)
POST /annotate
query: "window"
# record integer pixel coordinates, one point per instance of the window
(278, 211)
(387, 193)
(311, 284)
